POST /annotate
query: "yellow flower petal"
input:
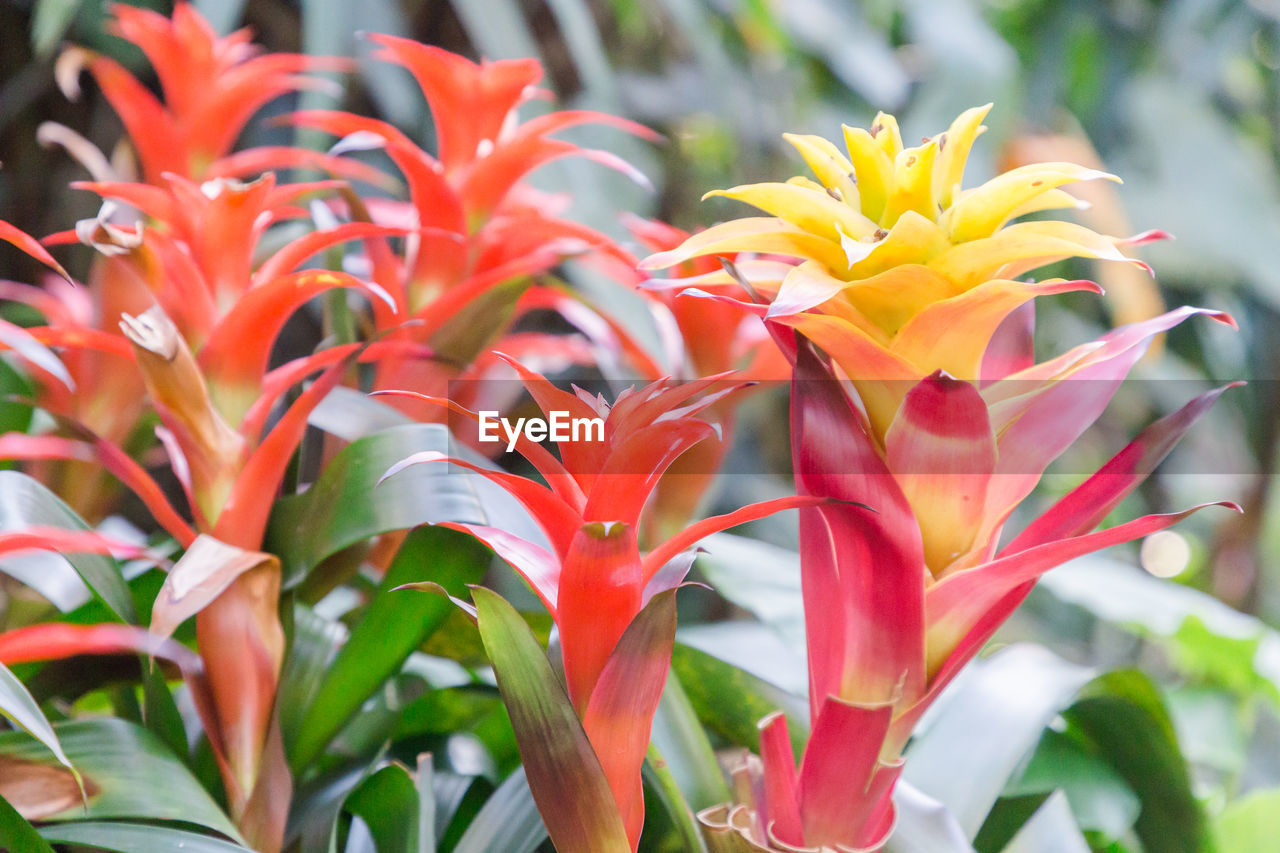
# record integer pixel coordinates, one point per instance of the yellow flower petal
(805, 207)
(894, 296)
(761, 234)
(873, 168)
(912, 240)
(953, 152)
(1020, 247)
(830, 166)
(913, 184)
(978, 212)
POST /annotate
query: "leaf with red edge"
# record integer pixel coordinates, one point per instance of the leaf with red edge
(566, 777)
(862, 572)
(619, 715)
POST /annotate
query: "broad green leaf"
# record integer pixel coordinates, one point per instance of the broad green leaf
(730, 702)
(136, 838)
(1050, 830)
(1100, 800)
(754, 648)
(394, 624)
(1122, 715)
(387, 801)
(15, 415)
(683, 746)
(666, 790)
(128, 774)
(314, 643)
(347, 505)
(564, 773)
(18, 835)
(18, 707)
(24, 503)
(985, 725)
(508, 820)
(1250, 823)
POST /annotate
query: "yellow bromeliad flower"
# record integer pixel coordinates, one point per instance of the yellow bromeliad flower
(897, 271)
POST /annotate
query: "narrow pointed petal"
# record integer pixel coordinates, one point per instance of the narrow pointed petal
(810, 209)
(31, 246)
(978, 212)
(953, 152)
(958, 602)
(874, 170)
(539, 567)
(953, 334)
(1024, 246)
(1085, 506)
(764, 235)
(699, 530)
(557, 519)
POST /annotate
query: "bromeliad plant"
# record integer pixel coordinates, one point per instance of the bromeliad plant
(906, 282)
(614, 607)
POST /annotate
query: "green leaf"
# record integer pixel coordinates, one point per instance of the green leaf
(1100, 799)
(347, 505)
(683, 746)
(507, 821)
(49, 22)
(128, 773)
(662, 782)
(160, 712)
(985, 725)
(393, 625)
(730, 702)
(387, 801)
(24, 503)
(1122, 715)
(18, 835)
(18, 707)
(136, 838)
(564, 773)
(1050, 830)
(1250, 823)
